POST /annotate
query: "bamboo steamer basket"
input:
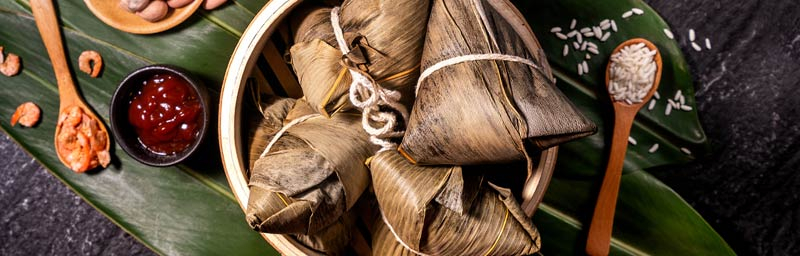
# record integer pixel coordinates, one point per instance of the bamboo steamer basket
(261, 48)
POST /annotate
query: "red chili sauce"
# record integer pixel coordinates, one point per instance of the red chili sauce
(165, 114)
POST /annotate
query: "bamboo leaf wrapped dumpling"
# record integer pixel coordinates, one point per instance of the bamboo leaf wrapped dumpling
(385, 37)
(331, 240)
(445, 210)
(311, 175)
(486, 92)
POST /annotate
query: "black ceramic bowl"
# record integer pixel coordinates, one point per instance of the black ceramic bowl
(126, 135)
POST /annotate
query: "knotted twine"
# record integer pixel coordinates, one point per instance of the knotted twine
(369, 96)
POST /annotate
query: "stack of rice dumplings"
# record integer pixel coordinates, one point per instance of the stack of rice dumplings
(484, 98)
(312, 171)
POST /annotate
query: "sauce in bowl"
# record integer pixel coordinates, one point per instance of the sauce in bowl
(165, 114)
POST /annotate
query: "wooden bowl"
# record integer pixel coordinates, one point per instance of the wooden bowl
(258, 49)
(110, 13)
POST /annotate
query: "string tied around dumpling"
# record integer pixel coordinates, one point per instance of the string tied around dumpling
(382, 111)
(492, 56)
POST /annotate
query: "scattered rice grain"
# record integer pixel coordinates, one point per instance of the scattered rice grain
(580, 69)
(605, 37)
(580, 38)
(588, 57)
(561, 36)
(605, 26)
(686, 150)
(597, 31)
(576, 45)
(669, 110)
(691, 35)
(586, 29)
(605, 22)
(555, 29)
(572, 33)
(708, 44)
(588, 34)
(583, 46)
(573, 23)
(585, 67)
(653, 148)
(696, 47)
(593, 50)
(686, 108)
(677, 95)
(658, 96)
(652, 105)
(669, 33)
(637, 11)
(613, 25)
(627, 14)
(632, 140)
(566, 50)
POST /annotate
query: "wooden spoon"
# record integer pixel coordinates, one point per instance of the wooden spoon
(45, 16)
(603, 219)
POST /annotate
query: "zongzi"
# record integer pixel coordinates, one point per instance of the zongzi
(446, 210)
(486, 93)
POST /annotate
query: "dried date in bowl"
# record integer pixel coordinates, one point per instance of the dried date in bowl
(160, 114)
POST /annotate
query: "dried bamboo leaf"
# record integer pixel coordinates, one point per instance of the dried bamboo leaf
(494, 222)
(482, 111)
(386, 38)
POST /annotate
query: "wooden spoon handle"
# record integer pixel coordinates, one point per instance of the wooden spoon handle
(603, 219)
(45, 16)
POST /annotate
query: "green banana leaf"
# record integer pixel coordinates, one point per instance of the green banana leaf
(188, 209)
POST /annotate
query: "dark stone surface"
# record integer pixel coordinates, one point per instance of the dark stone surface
(748, 91)
(748, 188)
(41, 216)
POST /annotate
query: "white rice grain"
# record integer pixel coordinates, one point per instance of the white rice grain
(555, 30)
(637, 11)
(566, 50)
(653, 148)
(580, 38)
(686, 108)
(573, 23)
(561, 36)
(605, 26)
(580, 69)
(597, 31)
(586, 29)
(658, 96)
(686, 151)
(593, 50)
(583, 46)
(572, 33)
(669, 33)
(605, 37)
(605, 22)
(652, 105)
(613, 25)
(585, 67)
(708, 44)
(592, 45)
(627, 14)
(691, 35)
(668, 111)
(677, 95)
(696, 47)
(588, 57)
(632, 140)
(576, 45)
(588, 34)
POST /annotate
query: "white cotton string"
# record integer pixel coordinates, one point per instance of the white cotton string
(368, 95)
(283, 130)
(471, 57)
(397, 237)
